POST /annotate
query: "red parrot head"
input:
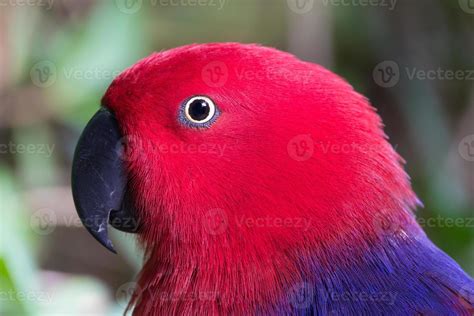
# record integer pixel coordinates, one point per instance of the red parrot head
(237, 161)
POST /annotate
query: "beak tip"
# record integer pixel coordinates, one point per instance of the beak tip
(102, 237)
(108, 244)
(111, 248)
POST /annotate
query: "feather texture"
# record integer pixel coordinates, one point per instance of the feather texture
(291, 202)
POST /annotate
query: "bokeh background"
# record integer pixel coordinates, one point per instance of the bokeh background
(413, 59)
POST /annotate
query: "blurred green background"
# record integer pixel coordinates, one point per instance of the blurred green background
(58, 57)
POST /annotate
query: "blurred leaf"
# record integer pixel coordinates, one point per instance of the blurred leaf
(86, 59)
(126, 244)
(17, 263)
(36, 161)
(21, 39)
(76, 296)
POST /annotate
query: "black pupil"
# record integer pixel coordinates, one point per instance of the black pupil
(199, 110)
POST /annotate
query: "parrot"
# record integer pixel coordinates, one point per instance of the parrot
(257, 183)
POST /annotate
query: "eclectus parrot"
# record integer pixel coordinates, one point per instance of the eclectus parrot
(258, 184)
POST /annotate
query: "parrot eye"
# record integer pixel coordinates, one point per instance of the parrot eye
(199, 111)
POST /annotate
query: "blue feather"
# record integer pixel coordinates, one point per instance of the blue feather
(401, 276)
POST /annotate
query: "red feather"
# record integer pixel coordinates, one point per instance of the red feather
(296, 164)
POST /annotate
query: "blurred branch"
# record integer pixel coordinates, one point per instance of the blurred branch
(310, 34)
(467, 169)
(56, 199)
(3, 50)
(23, 106)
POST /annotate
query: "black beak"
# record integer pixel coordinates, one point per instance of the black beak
(99, 179)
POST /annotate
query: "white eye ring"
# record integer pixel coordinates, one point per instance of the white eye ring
(188, 110)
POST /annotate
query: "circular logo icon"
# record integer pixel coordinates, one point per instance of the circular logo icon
(300, 6)
(125, 292)
(467, 6)
(215, 74)
(301, 147)
(43, 74)
(43, 221)
(215, 221)
(385, 225)
(466, 148)
(129, 6)
(130, 148)
(387, 74)
(301, 295)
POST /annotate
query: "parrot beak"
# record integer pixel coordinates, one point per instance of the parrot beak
(99, 179)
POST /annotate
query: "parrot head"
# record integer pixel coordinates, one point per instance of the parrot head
(233, 162)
